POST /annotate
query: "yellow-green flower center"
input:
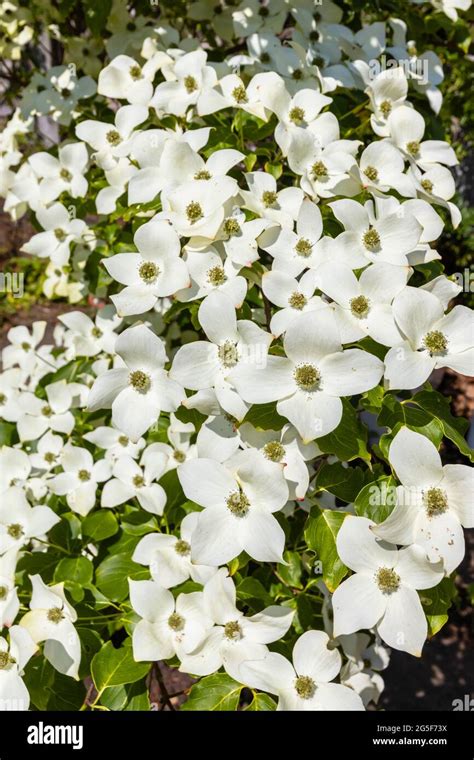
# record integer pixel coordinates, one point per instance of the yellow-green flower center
(3, 592)
(231, 227)
(387, 580)
(413, 148)
(371, 239)
(307, 377)
(216, 276)
(123, 440)
(180, 456)
(148, 272)
(297, 301)
(96, 332)
(6, 660)
(296, 115)
(182, 547)
(190, 84)
(60, 234)
(176, 622)
(305, 687)
(386, 108)
(84, 475)
(360, 306)
(140, 381)
(202, 174)
(269, 198)
(303, 247)
(371, 173)
(138, 481)
(239, 94)
(274, 451)
(238, 503)
(319, 170)
(113, 137)
(232, 630)
(435, 342)
(427, 185)
(435, 501)
(55, 615)
(50, 457)
(15, 530)
(136, 72)
(66, 175)
(46, 411)
(228, 354)
(194, 212)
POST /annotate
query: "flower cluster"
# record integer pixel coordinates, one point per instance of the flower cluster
(192, 464)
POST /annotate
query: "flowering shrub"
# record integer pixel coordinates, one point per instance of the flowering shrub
(233, 464)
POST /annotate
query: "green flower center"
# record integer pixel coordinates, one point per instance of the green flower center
(274, 451)
(49, 457)
(66, 175)
(371, 173)
(385, 108)
(148, 272)
(427, 185)
(413, 148)
(239, 94)
(232, 630)
(180, 456)
(15, 530)
(216, 276)
(182, 547)
(297, 301)
(228, 354)
(113, 137)
(305, 687)
(303, 247)
(435, 501)
(3, 398)
(84, 475)
(194, 212)
(123, 440)
(231, 227)
(6, 660)
(387, 580)
(136, 72)
(435, 342)
(269, 198)
(319, 170)
(265, 58)
(202, 174)
(46, 411)
(140, 381)
(96, 332)
(307, 377)
(238, 503)
(176, 622)
(371, 239)
(296, 115)
(190, 84)
(55, 615)
(360, 306)
(3, 592)
(297, 74)
(59, 234)
(138, 481)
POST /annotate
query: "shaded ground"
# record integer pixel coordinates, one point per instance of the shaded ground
(446, 671)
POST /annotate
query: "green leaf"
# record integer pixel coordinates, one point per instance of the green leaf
(251, 588)
(265, 417)
(261, 702)
(454, 428)
(349, 440)
(114, 667)
(132, 696)
(436, 603)
(90, 645)
(113, 573)
(77, 570)
(218, 692)
(322, 527)
(100, 525)
(343, 482)
(394, 414)
(377, 500)
(7, 431)
(291, 573)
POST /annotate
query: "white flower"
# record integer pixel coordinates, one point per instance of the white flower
(15, 468)
(432, 339)
(387, 91)
(19, 522)
(13, 693)
(88, 337)
(324, 161)
(112, 141)
(407, 128)
(209, 272)
(115, 443)
(295, 251)
(305, 684)
(52, 413)
(51, 619)
(60, 231)
(234, 638)
(235, 95)
(154, 272)
(142, 384)
(363, 306)
(24, 346)
(167, 627)
(263, 198)
(179, 435)
(130, 481)
(196, 208)
(433, 501)
(48, 450)
(239, 498)
(188, 79)
(201, 365)
(10, 393)
(62, 174)
(388, 238)
(125, 79)
(9, 602)
(294, 298)
(80, 478)
(381, 168)
(382, 591)
(169, 557)
(309, 383)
